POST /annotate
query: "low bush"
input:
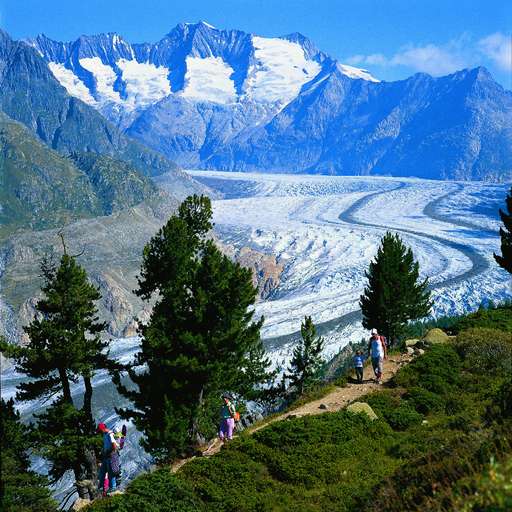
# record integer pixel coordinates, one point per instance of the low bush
(399, 414)
(424, 401)
(436, 370)
(485, 350)
(493, 317)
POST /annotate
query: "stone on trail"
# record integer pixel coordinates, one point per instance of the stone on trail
(80, 503)
(364, 408)
(411, 342)
(323, 406)
(410, 351)
(436, 335)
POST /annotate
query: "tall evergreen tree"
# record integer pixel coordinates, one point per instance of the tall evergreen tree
(200, 340)
(306, 363)
(21, 490)
(64, 348)
(394, 294)
(505, 260)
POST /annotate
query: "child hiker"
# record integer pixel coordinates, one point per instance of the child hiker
(359, 365)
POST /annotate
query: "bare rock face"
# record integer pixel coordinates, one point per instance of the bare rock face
(115, 301)
(266, 270)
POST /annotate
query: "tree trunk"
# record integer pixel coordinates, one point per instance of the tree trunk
(87, 408)
(194, 431)
(66, 389)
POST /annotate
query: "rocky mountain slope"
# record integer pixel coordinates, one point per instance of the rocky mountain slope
(40, 188)
(231, 100)
(30, 94)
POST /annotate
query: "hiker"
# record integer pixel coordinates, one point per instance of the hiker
(109, 447)
(115, 458)
(359, 365)
(378, 351)
(227, 418)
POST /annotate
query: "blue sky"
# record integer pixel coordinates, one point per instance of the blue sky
(391, 38)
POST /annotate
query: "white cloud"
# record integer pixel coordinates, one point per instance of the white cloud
(442, 59)
(431, 59)
(498, 48)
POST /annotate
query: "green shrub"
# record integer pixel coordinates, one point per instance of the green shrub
(494, 317)
(397, 413)
(435, 370)
(160, 491)
(424, 401)
(490, 491)
(485, 350)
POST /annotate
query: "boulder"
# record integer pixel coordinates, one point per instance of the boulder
(80, 503)
(362, 408)
(436, 335)
(409, 351)
(419, 351)
(411, 342)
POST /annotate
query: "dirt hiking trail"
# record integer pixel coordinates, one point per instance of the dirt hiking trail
(337, 399)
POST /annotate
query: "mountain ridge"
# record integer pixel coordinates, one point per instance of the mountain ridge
(232, 100)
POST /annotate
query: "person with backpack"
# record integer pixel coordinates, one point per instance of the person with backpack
(378, 351)
(228, 415)
(108, 448)
(115, 458)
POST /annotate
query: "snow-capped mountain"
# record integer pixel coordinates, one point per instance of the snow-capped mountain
(194, 61)
(230, 100)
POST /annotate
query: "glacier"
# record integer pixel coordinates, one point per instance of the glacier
(325, 230)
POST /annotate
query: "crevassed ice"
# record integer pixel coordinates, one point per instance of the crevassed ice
(105, 78)
(281, 69)
(209, 79)
(144, 83)
(353, 72)
(71, 82)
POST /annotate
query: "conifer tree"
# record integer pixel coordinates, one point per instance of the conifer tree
(64, 347)
(394, 294)
(306, 363)
(200, 340)
(505, 259)
(21, 490)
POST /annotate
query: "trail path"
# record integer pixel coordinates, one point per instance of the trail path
(337, 399)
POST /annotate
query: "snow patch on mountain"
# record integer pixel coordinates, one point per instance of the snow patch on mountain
(71, 82)
(145, 83)
(104, 78)
(280, 70)
(208, 79)
(357, 73)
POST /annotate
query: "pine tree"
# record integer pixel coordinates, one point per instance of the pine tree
(21, 490)
(64, 348)
(306, 363)
(200, 339)
(505, 260)
(394, 294)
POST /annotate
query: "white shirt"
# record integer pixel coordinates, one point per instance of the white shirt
(377, 348)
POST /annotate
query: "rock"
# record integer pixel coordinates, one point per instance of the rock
(410, 351)
(80, 503)
(435, 336)
(291, 416)
(362, 408)
(323, 406)
(424, 422)
(419, 351)
(411, 342)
